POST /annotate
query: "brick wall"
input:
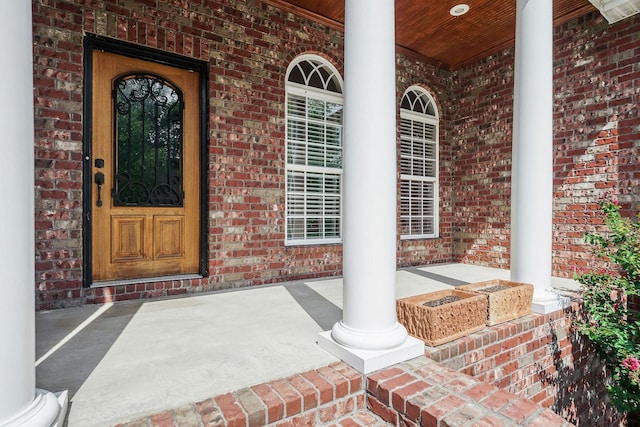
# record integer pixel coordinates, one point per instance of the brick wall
(596, 121)
(596, 147)
(248, 46)
(481, 128)
(411, 71)
(539, 357)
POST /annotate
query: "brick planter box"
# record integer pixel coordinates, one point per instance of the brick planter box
(505, 304)
(443, 323)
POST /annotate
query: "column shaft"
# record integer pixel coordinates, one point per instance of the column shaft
(369, 232)
(532, 169)
(17, 322)
(20, 403)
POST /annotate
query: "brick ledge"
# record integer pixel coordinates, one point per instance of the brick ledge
(422, 392)
(419, 392)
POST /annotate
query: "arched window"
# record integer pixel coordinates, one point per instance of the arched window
(314, 152)
(418, 165)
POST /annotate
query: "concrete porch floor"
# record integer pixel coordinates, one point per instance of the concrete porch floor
(125, 360)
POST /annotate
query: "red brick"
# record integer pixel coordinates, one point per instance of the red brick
(492, 350)
(405, 422)
(336, 409)
(349, 422)
(307, 419)
(231, 411)
(164, 419)
(509, 368)
(480, 391)
(548, 402)
(354, 377)
(502, 358)
(360, 401)
(385, 387)
(460, 383)
(272, 401)
(547, 418)
(340, 383)
(188, 416)
(399, 396)
(436, 374)
(383, 411)
(520, 409)
(308, 392)
(325, 390)
(431, 416)
(210, 413)
(375, 378)
(464, 415)
(498, 400)
(525, 337)
(538, 397)
(490, 421)
(140, 422)
(365, 418)
(292, 399)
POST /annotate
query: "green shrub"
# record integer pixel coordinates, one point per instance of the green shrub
(608, 321)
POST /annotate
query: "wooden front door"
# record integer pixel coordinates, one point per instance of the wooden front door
(146, 169)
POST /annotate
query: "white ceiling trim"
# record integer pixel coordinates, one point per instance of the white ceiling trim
(617, 10)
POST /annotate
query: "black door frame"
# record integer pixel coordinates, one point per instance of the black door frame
(91, 43)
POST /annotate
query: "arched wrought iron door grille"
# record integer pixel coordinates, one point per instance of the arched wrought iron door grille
(148, 142)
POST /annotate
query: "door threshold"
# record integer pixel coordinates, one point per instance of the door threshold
(102, 284)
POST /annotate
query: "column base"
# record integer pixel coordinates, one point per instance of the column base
(369, 340)
(550, 305)
(366, 361)
(46, 410)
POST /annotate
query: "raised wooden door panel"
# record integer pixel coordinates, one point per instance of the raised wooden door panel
(127, 238)
(169, 236)
(146, 146)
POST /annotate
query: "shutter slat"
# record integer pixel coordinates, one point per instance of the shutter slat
(314, 162)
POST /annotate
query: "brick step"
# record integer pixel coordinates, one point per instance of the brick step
(422, 392)
(331, 395)
(419, 392)
(362, 418)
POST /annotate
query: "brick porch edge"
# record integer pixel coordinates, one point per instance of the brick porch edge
(419, 392)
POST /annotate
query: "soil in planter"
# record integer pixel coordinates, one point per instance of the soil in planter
(442, 301)
(494, 288)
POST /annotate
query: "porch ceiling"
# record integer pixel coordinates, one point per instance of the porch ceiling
(427, 28)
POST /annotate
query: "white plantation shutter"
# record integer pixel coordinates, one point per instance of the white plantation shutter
(314, 152)
(418, 165)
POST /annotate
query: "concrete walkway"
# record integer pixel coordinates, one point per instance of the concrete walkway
(125, 360)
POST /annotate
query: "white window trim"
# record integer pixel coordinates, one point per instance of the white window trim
(434, 120)
(292, 88)
(300, 90)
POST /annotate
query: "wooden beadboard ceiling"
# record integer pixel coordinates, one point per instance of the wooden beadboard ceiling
(426, 28)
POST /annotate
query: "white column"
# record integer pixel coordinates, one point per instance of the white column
(532, 168)
(370, 183)
(21, 404)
